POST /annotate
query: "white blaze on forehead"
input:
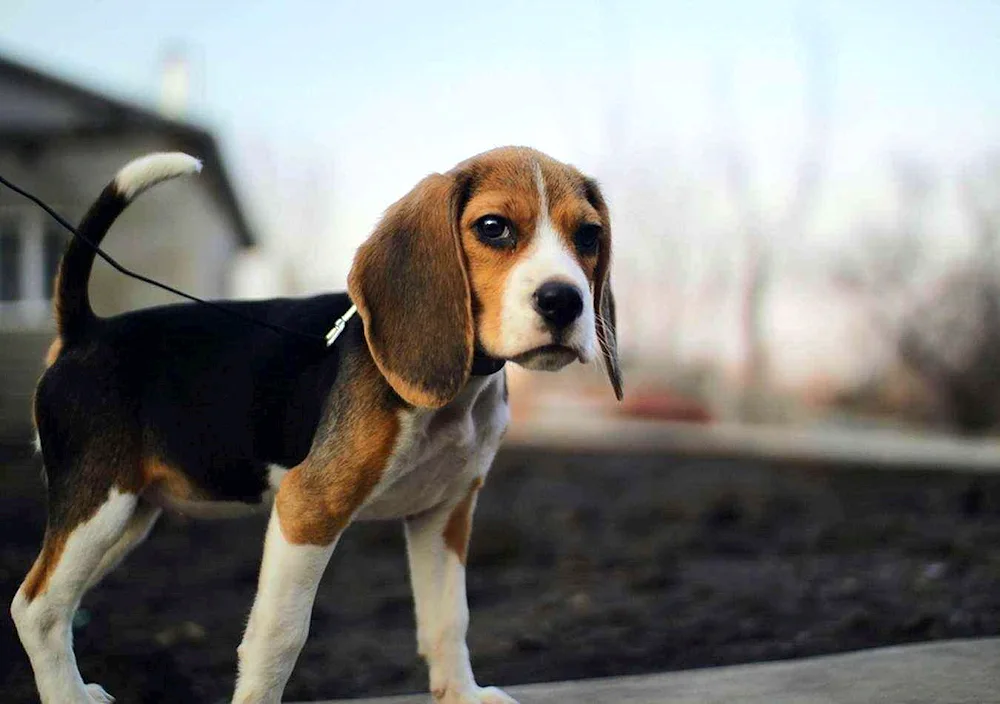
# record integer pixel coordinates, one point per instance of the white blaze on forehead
(547, 257)
(543, 198)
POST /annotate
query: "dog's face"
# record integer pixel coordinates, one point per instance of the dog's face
(508, 252)
(532, 234)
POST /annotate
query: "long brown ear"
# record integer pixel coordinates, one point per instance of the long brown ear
(411, 288)
(604, 299)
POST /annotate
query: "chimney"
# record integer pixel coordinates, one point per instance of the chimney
(175, 83)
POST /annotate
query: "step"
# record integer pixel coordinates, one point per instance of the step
(946, 672)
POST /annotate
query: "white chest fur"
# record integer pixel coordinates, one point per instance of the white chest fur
(440, 452)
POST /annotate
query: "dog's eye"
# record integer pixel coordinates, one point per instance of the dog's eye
(495, 231)
(587, 238)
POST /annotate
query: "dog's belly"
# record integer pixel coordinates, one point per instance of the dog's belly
(441, 453)
(216, 508)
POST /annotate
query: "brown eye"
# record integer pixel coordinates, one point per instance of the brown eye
(587, 238)
(495, 231)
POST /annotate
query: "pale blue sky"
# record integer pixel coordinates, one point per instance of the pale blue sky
(386, 91)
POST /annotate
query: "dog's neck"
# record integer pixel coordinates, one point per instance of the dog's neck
(485, 365)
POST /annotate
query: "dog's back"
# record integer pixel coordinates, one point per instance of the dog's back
(190, 388)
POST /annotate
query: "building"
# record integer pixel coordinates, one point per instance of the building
(64, 142)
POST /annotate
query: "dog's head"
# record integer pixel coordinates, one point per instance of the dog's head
(509, 252)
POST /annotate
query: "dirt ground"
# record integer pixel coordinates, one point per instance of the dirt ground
(581, 566)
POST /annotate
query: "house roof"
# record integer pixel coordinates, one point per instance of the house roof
(45, 110)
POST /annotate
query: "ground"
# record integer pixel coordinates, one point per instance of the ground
(581, 566)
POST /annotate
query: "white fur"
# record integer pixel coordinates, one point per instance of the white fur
(144, 172)
(136, 530)
(437, 577)
(279, 620)
(45, 623)
(547, 258)
(438, 451)
(275, 473)
(448, 451)
(436, 458)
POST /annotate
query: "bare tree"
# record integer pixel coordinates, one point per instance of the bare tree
(888, 269)
(653, 199)
(793, 221)
(951, 338)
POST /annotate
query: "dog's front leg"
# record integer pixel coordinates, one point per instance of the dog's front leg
(279, 620)
(437, 543)
(305, 525)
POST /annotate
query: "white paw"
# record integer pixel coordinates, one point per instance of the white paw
(98, 695)
(479, 695)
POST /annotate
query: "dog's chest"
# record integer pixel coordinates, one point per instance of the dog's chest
(440, 452)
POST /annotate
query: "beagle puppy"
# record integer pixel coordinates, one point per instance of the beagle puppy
(504, 258)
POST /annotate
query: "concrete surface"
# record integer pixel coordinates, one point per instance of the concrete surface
(949, 672)
(890, 449)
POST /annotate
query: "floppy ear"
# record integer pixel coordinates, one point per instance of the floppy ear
(411, 288)
(604, 299)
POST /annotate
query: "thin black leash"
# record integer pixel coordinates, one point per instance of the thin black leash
(326, 340)
(482, 364)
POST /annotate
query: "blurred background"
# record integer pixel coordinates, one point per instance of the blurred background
(806, 210)
(805, 194)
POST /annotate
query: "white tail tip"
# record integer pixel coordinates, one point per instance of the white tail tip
(144, 172)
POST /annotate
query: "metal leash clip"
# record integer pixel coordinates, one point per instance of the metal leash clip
(339, 325)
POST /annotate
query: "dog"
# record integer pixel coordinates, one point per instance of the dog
(505, 257)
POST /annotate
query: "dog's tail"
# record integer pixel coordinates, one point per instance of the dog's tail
(72, 302)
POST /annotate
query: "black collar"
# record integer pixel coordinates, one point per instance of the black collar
(484, 365)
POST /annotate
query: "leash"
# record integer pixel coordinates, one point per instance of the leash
(482, 363)
(328, 339)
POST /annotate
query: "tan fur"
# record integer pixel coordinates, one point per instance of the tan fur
(87, 501)
(38, 577)
(55, 294)
(53, 352)
(604, 300)
(410, 285)
(459, 526)
(158, 475)
(567, 211)
(318, 498)
(505, 185)
(419, 303)
(427, 291)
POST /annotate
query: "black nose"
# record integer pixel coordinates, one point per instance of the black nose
(558, 303)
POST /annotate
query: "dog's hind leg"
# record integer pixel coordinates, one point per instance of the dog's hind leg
(72, 559)
(139, 525)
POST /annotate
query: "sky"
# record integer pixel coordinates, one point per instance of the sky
(360, 99)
